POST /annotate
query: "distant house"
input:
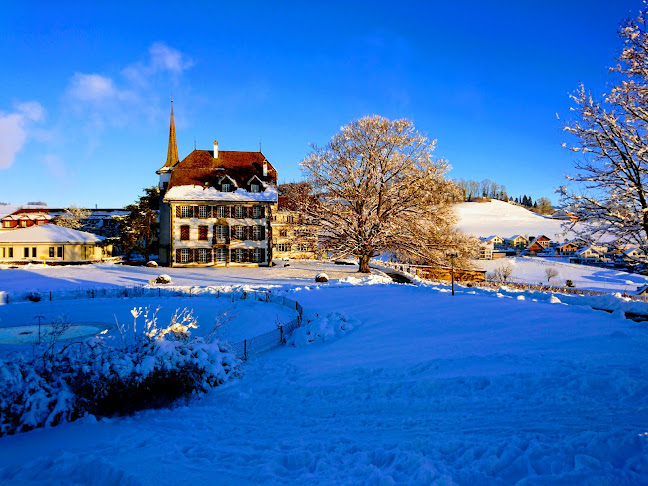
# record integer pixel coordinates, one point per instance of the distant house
(51, 243)
(497, 241)
(485, 250)
(568, 248)
(518, 241)
(24, 218)
(543, 241)
(590, 254)
(535, 247)
(635, 254)
(564, 215)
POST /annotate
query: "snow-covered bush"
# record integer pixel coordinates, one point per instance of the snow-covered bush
(321, 329)
(321, 277)
(161, 279)
(151, 263)
(155, 367)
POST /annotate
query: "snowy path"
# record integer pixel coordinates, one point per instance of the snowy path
(429, 389)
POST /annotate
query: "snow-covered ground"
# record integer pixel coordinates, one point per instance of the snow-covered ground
(410, 386)
(506, 220)
(533, 270)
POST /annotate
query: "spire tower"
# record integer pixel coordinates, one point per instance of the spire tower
(172, 152)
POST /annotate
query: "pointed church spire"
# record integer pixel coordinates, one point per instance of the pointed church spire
(172, 154)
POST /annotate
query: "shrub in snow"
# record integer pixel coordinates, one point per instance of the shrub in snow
(321, 277)
(161, 279)
(569, 283)
(154, 367)
(321, 329)
(34, 296)
(151, 264)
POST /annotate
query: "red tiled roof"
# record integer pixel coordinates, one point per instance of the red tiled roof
(201, 169)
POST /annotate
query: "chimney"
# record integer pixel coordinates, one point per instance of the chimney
(215, 149)
(265, 168)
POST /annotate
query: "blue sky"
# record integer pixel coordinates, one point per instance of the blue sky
(84, 104)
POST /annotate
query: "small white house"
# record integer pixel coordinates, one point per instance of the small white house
(496, 241)
(51, 243)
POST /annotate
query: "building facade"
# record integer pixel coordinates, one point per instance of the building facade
(293, 235)
(216, 208)
(53, 244)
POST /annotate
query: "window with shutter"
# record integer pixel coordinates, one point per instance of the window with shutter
(257, 255)
(202, 255)
(238, 212)
(184, 232)
(185, 212)
(202, 211)
(184, 255)
(220, 211)
(240, 232)
(256, 233)
(202, 232)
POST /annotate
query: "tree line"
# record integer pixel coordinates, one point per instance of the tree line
(471, 190)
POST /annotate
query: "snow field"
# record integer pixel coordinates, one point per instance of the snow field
(532, 270)
(506, 220)
(429, 389)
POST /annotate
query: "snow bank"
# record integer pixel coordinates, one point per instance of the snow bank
(322, 329)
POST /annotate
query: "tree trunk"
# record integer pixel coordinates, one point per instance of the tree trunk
(364, 264)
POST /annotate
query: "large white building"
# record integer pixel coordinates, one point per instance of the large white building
(216, 207)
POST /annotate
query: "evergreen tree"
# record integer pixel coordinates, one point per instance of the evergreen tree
(139, 229)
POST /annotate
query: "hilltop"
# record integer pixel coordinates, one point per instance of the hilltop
(505, 220)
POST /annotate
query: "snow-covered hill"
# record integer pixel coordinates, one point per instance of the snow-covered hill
(505, 220)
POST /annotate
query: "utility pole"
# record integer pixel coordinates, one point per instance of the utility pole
(452, 254)
(39, 326)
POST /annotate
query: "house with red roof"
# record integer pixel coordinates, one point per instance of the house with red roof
(216, 207)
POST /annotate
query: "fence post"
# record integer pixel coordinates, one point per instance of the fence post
(50, 296)
(281, 340)
(245, 349)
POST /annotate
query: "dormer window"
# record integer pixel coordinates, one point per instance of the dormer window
(255, 187)
(226, 187)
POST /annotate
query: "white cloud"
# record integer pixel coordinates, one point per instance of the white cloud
(126, 99)
(162, 59)
(91, 87)
(14, 130)
(165, 58)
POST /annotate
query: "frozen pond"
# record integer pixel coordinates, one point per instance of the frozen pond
(34, 334)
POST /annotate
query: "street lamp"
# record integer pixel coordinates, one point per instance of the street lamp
(452, 254)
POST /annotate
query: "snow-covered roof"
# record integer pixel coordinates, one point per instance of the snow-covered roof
(199, 193)
(48, 233)
(29, 216)
(490, 238)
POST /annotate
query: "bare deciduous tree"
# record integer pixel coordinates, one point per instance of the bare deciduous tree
(550, 272)
(502, 273)
(612, 136)
(380, 189)
(73, 217)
